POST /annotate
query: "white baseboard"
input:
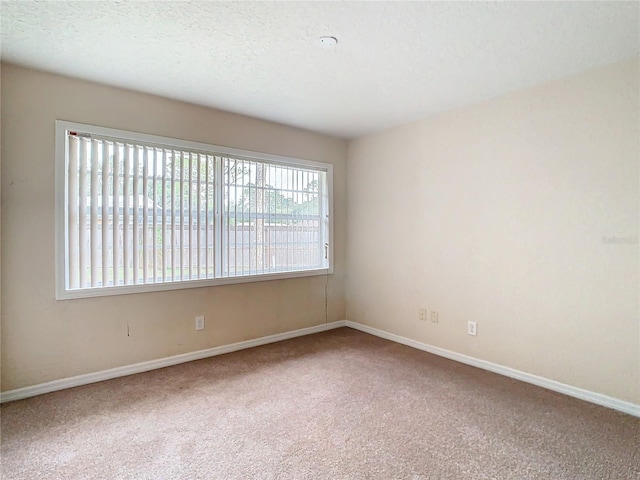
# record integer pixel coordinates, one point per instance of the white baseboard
(593, 397)
(589, 396)
(25, 392)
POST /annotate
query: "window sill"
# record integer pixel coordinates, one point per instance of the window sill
(210, 282)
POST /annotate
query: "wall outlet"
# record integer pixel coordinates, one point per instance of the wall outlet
(422, 314)
(472, 328)
(200, 323)
(434, 316)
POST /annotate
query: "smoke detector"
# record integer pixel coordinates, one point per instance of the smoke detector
(327, 42)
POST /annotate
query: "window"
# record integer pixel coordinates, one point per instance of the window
(139, 213)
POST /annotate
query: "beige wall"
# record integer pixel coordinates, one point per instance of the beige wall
(496, 213)
(44, 339)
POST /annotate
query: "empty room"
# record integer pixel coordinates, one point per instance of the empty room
(320, 240)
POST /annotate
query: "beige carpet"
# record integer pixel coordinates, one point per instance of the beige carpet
(336, 405)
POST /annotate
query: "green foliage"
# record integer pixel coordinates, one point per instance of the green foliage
(182, 172)
(268, 199)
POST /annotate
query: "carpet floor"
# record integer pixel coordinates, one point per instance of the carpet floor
(335, 405)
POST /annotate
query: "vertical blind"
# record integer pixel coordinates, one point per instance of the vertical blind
(141, 213)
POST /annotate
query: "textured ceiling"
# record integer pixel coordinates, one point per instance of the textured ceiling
(395, 61)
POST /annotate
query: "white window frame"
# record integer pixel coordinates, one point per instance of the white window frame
(61, 212)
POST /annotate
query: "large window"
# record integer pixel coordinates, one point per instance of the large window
(139, 213)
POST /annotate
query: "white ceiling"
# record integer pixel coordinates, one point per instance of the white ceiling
(395, 62)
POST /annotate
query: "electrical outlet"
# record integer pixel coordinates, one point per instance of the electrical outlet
(422, 314)
(200, 323)
(434, 316)
(472, 328)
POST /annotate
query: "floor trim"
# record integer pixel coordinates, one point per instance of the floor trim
(587, 395)
(85, 379)
(100, 376)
